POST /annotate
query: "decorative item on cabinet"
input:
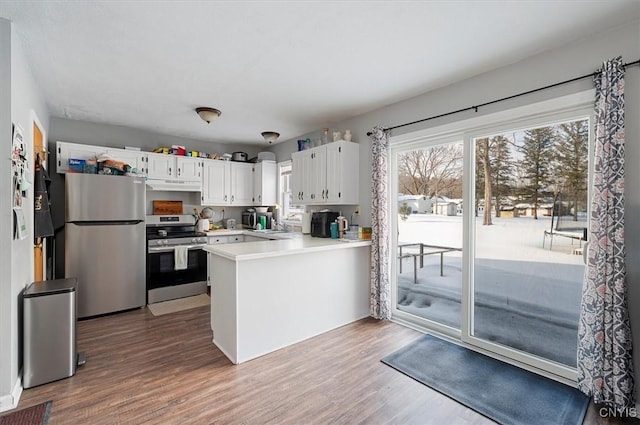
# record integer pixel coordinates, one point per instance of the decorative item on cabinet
(325, 136)
(347, 135)
(337, 136)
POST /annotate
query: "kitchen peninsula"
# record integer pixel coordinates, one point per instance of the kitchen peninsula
(270, 294)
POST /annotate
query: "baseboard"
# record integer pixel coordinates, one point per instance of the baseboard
(10, 401)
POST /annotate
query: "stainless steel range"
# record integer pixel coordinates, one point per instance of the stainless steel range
(176, 263)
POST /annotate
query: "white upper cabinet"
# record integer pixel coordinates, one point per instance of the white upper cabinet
(343, 173)
(161, 166)
(189, 168)
(241, 184)
(301, 176)
(66, 151)
(264, 183)
(135, 159)
(227, 183)
(327, 174)
(216, 182)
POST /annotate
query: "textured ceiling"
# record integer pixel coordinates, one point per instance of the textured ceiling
(287, 66)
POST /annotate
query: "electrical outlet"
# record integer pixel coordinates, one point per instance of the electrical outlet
(357, 211)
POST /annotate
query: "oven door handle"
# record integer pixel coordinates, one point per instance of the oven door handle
(171, 248)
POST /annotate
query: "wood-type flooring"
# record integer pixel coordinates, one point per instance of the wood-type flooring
(143, 369)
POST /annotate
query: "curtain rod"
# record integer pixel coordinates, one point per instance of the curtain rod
(475, 108)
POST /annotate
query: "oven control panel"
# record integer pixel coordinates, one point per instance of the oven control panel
(177, 241)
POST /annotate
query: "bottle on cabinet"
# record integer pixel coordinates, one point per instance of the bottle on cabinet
(324, 139)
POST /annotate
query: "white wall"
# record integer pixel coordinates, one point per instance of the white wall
(6, 304)
(576, 59)
(25, 99)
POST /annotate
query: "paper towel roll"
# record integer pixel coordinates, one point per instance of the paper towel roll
(306, 223)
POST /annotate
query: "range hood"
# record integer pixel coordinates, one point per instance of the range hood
(174, 185)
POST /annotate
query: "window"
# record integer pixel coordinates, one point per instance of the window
(288, 212)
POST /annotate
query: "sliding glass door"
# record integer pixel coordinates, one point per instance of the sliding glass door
(490, 235)
(530, 217)
(429, 233)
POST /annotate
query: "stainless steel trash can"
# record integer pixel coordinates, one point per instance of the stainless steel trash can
(49, 318)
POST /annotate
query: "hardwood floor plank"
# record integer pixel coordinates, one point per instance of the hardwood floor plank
(143, 369)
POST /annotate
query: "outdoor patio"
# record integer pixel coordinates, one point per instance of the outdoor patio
(526, 297)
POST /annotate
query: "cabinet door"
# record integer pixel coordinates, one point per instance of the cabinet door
(135, 159)
(216, 183)
(318, 176)
(241, 184)
(297, 176)
(264, 183)
(215, 240)
(347, 171)
(161, 166)
(66, 151)
(333, 194)
(302, 177)
(189, 168)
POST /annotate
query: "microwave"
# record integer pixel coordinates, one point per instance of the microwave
(250, 219)
(321, 223)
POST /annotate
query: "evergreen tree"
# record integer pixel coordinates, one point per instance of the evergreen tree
(537, 162)
(501, 168)
(572, 153)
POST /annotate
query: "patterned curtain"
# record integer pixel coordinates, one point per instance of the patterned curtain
(380, 286)
(605, 364)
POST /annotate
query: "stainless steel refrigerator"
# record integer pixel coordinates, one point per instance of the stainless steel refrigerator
(105, 241)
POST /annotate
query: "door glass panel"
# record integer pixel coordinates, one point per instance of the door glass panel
(530, 220)
(429, 255)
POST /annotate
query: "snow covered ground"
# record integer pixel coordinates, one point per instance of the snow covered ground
(526, 297)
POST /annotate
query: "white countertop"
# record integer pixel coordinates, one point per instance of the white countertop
(275, 248)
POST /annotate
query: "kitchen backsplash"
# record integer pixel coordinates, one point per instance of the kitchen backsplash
(191, 200)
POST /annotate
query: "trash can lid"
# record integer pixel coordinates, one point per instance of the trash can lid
(50, 287)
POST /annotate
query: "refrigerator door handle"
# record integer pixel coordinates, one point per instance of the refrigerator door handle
(105, 223)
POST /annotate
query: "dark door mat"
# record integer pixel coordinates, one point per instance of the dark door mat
(502, 392)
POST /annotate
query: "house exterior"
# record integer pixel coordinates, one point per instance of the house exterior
(419, 204)
(22, 100)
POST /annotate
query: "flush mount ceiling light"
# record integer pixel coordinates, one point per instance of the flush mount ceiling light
(208, 114)
(270, 136)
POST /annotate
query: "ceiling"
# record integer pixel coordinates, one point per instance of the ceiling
(287, 66)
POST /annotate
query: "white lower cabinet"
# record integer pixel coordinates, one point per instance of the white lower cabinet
(216, 240)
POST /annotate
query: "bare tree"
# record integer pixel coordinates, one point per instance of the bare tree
(431, 171)
(482, 155)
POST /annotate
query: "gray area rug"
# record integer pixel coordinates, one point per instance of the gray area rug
(497, 390)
